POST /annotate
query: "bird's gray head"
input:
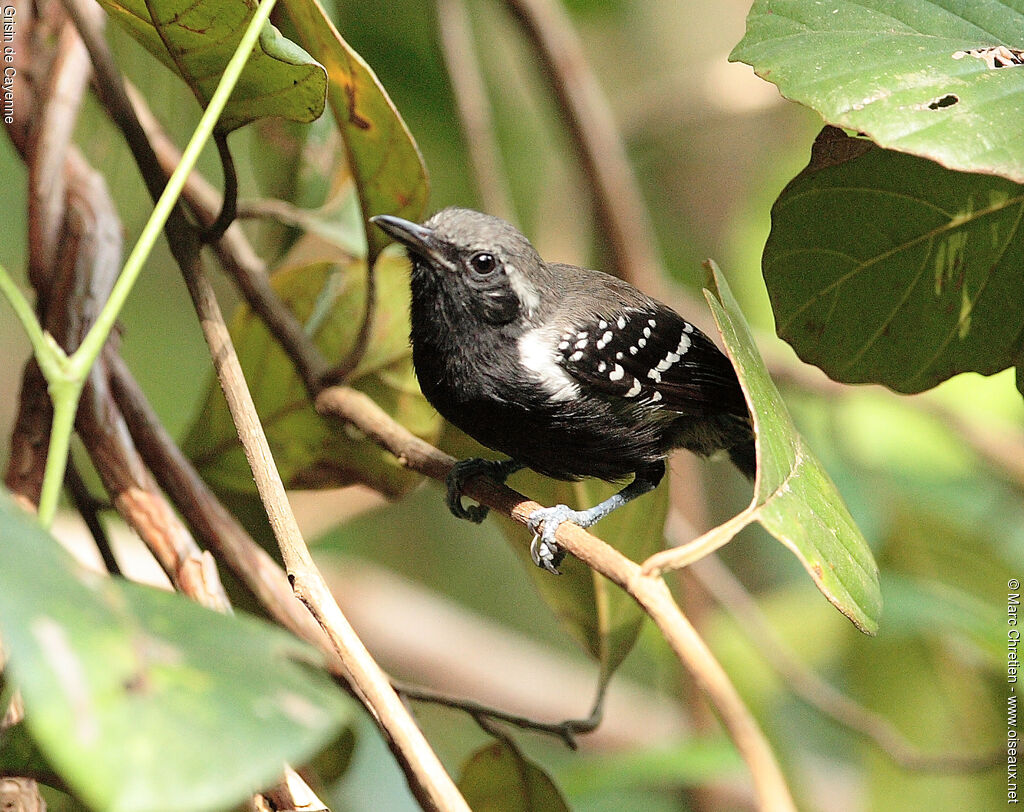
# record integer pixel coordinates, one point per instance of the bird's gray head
(472, 261)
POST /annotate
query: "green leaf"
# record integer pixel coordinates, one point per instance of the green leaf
(899, 72)
(887, 268)
(497, 778)
(20, 755)
(196, 40)
(383, 157)
(794, 499)
(143, 700)
(312, 451)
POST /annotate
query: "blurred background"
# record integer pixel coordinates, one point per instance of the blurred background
(930, 479)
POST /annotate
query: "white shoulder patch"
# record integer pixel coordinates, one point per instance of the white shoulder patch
(539, 356)
(524, 289)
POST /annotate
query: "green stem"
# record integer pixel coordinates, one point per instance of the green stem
(94, 340)
(64, 395)
(41, 347)
(65, 376)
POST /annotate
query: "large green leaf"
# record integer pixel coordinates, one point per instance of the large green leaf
(900, 71)
(312, 451)
(886, 268)
(383, 157)
(144, 700)
(196, 40)
(794, 499)
(498, 778)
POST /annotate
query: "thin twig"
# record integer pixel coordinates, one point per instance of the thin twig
(565, 730)
(716, 578)
(427, 777)
(650, 593)
(474, 108)
(207, 517)
(229, 207)
(89, 507)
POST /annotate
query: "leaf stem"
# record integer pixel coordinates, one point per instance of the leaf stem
(64, 394)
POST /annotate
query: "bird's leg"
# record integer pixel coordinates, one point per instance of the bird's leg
(544, 522)
(464, 470)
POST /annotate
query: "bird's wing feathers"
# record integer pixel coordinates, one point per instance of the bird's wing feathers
(645, 352)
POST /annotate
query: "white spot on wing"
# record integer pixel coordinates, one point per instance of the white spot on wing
(634, 390)
(616, 374)
(621, 322)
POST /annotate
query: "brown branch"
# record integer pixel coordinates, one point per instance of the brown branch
(619, 204)
(89, 507)
(51, 133)
(471, 101)
(427, 777)
(650, 593)
(207, 517)
(716, 578)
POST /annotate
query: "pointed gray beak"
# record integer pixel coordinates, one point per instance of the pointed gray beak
(418, 239)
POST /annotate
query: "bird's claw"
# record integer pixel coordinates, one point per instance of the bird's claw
(467, 469)
(456, 478)
(544, 522)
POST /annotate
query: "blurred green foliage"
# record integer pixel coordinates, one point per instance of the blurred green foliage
(712, 148)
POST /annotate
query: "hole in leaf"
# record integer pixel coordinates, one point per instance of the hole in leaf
(944, 101)
(997, 56)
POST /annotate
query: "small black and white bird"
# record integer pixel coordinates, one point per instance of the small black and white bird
(571, 372)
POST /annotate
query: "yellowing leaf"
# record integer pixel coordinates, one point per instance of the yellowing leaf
(383, 157)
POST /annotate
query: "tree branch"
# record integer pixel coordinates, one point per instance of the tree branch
(649, 592)
(428, 779)
(474, 108)
(621, 211)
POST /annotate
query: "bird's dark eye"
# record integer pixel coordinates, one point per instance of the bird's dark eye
(483, 263)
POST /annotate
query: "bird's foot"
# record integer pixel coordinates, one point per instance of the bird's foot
(544, 522)
(465, 470)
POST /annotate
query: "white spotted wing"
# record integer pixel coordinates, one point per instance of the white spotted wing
(651, 356)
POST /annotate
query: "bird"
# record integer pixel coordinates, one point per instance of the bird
(573, 373)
